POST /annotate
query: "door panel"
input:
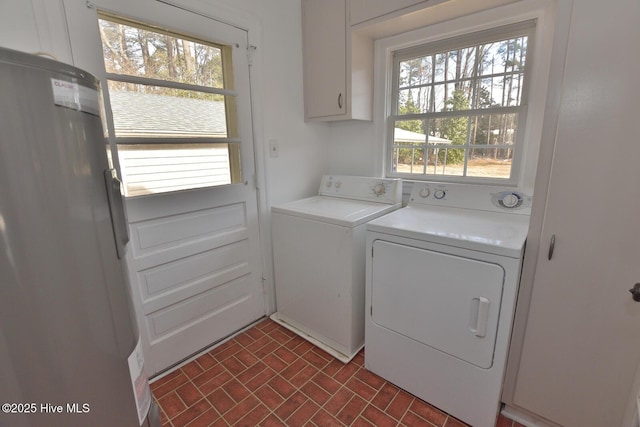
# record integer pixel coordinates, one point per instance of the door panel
(194, 258)
(444, 301)
(581, 347)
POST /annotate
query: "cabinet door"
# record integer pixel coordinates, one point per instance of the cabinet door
(364, 10)
(324, 56)
(581, 347)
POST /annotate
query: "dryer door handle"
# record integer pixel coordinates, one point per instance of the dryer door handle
(482, 318)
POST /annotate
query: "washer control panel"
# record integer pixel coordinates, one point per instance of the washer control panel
(381, 190)
(480, 197)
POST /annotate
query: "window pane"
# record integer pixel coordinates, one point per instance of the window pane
(408, 160)
(490, 162)
(414, 100)
(409, 132)
(493, 129)
(152, 111)
(446, 161)
(139, 52)
(157, 168)
(416, 71)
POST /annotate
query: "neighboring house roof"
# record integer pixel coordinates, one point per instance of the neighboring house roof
(402, 135)
(143, 114)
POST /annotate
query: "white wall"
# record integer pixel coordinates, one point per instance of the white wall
(274, 27)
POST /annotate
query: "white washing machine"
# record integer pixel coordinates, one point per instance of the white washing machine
(319, 260)
(441, 283)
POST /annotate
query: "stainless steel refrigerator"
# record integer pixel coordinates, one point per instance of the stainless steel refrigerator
(69, 347)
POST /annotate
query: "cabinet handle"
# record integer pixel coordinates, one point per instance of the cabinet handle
(340, 100)
(552, 246)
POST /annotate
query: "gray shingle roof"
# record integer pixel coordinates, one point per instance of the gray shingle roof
(142, 114)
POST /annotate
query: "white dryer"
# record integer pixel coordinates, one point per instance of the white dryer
(319, 260)
(441, 283)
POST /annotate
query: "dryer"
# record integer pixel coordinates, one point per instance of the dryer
(441, 283)
(319, 260)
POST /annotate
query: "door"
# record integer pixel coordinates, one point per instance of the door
(194, 259)
(444, 301)
(581, 350)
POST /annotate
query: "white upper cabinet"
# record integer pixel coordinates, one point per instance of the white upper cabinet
(338, 66)
(365, 10)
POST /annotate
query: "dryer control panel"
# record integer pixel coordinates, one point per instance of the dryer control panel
(380, 190)
(480, 197)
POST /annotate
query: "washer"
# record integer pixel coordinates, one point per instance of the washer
(441, 282)
(319, 260)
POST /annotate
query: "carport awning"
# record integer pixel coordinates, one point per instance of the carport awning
(407, 136)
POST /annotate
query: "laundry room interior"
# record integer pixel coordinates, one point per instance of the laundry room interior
(327, 212)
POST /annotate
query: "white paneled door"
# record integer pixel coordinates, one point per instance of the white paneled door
(194, 256)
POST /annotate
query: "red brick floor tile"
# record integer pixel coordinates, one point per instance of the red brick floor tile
(251, 372)
(428, 412)
(267, 349)
(275, 363)
(221, 401)
(233, 365)
(172, 404)
(453, 422)
(302, 348)
(315, 359)
(246, 357)
(205, 419)
(160, 388)
(294, 369)
(324, 419)
(294, 342)
(192, 412)
(290, 405)
(362, 422)
(237, 391)
(338, 401)
(370, 378)
(269, 397)
(333, 367)
(283, 387)
(269, 376)
(316, 393)
(226, 350)
(361, 389)
(410, 419)
(377, 417)
(385, 396)
(213, 383)
(346, 372)
(327, 383)
(303, 413)
(399, 405)
(254, 417)
(189, 393)
(350, 412)
(208, 375)
(240, 410)
(206, 361)
(272, 421)
(262, 378)
(303, 376)
(285, 354)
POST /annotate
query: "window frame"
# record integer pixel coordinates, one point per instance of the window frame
(408, 45)
(231, 141)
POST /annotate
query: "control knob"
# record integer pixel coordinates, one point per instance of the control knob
(511, 200)
(379, 189)
(439, 194)
(424, 193)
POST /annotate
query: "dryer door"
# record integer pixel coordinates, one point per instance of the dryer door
(444, 301)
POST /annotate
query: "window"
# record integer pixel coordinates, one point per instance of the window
(173, 108)
(459, 106)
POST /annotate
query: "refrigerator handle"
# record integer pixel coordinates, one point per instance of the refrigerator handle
(116, 207)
